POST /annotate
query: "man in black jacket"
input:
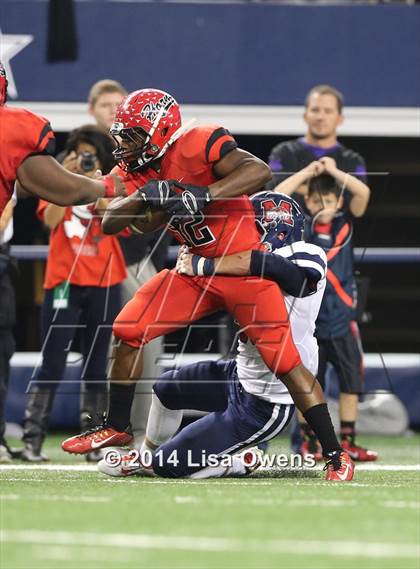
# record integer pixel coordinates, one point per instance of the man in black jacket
(323, 115)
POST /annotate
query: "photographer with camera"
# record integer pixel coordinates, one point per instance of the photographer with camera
(85, 269)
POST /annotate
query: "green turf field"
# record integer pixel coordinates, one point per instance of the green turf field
(76, 519)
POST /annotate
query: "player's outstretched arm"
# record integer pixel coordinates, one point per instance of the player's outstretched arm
(291, 278)
(239, 173)
(44, 177)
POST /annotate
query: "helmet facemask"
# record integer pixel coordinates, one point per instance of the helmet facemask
(134, 156)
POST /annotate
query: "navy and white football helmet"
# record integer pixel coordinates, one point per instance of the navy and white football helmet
(279, 219)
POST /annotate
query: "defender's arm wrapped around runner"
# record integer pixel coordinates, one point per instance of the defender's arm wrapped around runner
(293, 279)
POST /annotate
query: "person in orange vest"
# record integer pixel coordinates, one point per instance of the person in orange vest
(333, 199)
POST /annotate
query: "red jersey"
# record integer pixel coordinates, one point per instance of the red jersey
(22, 134)
(80, 253)
(226, 226)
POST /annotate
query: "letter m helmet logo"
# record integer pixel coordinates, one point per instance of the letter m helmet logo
(274, 214)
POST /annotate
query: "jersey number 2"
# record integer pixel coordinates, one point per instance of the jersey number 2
(193, 232)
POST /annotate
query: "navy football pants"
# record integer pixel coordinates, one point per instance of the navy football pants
(236, 419)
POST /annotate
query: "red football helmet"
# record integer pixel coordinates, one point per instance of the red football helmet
(3, 85)
(149, 121)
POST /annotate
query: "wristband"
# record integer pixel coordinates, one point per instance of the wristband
(202, 266)
(109, 183)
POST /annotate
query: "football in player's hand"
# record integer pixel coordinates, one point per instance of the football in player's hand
(148, 219)
(132, 211)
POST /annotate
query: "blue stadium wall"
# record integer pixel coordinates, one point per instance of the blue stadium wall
(239, 54)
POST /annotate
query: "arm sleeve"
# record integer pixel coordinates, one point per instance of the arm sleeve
(293, 279)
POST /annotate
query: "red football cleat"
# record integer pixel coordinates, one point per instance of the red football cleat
(357, 453)
(311, 448)
(340, 468)
(100, 437)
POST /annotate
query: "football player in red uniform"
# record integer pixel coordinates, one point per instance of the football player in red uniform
(26, 145)
(200, 179)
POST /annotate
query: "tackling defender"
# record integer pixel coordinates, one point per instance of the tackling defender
(27, 144)
(247, 403)
(188, 172)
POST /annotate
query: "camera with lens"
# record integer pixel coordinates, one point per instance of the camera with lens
(87, 161)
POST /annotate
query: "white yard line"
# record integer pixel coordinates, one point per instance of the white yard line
(213, 544)
(402, 504)
(298, 503)
(189, 500)
(222, 500)
(37, 480)
(189, 482)
(388, 467)
(52, 467)
(66, 553)
(55, 498)
(377, 467)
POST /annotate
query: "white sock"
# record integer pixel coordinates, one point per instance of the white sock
(236, 468)
(145, 447)
(162, 423)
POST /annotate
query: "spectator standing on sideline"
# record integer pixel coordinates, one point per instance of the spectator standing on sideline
(144, 256)
(330, 227)
(85, 269)
(294, 163)
(323, 115)
(104, 97)
(7, 318)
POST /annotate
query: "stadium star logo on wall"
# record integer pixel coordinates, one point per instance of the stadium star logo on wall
(11, 45)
